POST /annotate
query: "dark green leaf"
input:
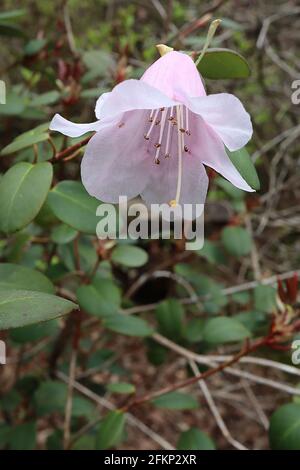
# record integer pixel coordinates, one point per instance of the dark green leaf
(23, 142)
(237, 241)
(170, 318)
(243, 163)
(176, 401)
(14, 276)
(130, 256)
(194, 439)
(224, 330)
(284, 432)
(101, 298)
(110, 430)
(128, 325)
(24, 307)
(223, 63)
(72, 205)
(23, 190)
(264, 298)
(121, 387)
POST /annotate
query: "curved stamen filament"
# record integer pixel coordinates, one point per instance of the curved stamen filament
(167, 155)
(180, 148)
(162, 126)
(153, 121)
(187, 121)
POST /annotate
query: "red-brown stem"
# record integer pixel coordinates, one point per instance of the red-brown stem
(69, 150)
(247, 349)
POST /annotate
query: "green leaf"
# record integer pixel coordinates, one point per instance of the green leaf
(170, 318)
(264, 298)
(176, 401)
(51, 397)
(110, 430)
(243, 163)
(45, 99)
(12, 14)
(194, 439)
(194, 330)
(23, 190)
(212, 253)
(23, 142)
(128, 325)
(219, 63)
(62, 234)
(23, 437)
(101, 298)
(237, 241)
(24, 307)
(130, 256)
(72, 205)
(14, 276)
(121, 387)
(11, 30)
(31, 333)
(34, 46)
(284, 431)
(224, 330)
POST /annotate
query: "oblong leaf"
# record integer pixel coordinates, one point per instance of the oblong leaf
(224, 330)
(110, 430)
(130, 256)
(23, 190)
(14, 276)
(219, 63)
(176, 401)
(24, 307)
(243, 163)
(74, 206)
(194, 439)
(284, 432)
(23, 142)
(128, 325)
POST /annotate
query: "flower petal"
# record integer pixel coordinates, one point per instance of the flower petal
(162, 184)
(71, 129)
(173, 73)
(226, 115)
(212, 152)
(116, 161)
(130, 95)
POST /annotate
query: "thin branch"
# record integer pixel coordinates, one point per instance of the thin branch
(214, 410)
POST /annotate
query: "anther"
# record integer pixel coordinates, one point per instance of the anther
(121, 124)
(182, 130)
(157, 122)
(167, 155)
(146, 137)
(187, 132)
(157, 161)
(162, 109)
(186, 148)
(157, 145)
(173, 203)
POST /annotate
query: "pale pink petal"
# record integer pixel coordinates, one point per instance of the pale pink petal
(162, 184)
(175, 72)
(99, 103)
(210, 148)
(131, 95)
(226, 115)
(72, 129)
(116, 161)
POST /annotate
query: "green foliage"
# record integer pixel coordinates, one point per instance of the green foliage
(23, 190)
(129, 256)
(224, 330)
(284, 432)
(127, 325)
(110, 430)
(176, 401)
(72, 205)
(101, 298)
(243, 163)
(237, 241)
(223, 63)
(121, 387)
(194, 439)
(170, 318)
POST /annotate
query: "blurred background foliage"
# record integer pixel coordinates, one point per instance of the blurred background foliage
(58, 56)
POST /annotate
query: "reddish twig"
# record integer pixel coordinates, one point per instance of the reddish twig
(247, 349)
(70, 150)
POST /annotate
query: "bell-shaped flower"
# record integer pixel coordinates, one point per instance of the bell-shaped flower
(153, 136)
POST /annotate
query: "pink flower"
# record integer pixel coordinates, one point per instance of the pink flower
(154, 136)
